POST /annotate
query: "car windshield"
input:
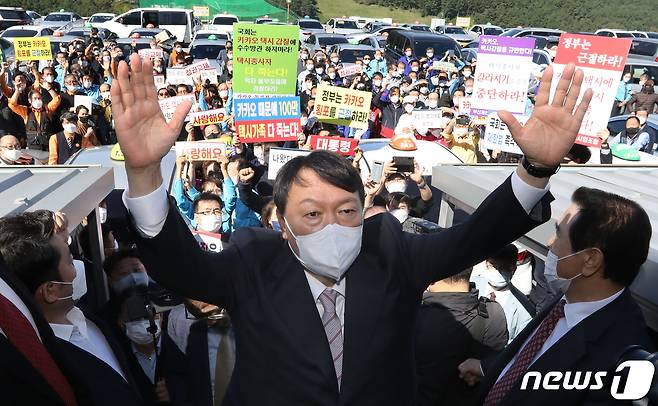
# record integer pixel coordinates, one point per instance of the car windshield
(420, 28)
(351, 55)
(310, 24)
(382, 43)
(644, 48)
(99, 19)
(78, 33)
(511, 33)
(454, 30)
(14, 15)
(625, 35)
(206, 35)
(347, 24)
(440, 48)
(206, 51)
(19, 34)
(324, 41)
(224, 20)
(492, 31)
(147, 33)
(58, 17)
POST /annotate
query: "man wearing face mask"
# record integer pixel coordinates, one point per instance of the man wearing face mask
(10, 152)
(388, 101)
(209, 215)
(646, 98)
(37, 117)
(335, 296)
(98, 367)
(600, 244)
(66, 142)
(176, 52)
(632, 136)
(623, 95)
(90, 89)
(406, 60)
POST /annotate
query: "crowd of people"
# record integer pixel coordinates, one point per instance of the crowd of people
(269, 318)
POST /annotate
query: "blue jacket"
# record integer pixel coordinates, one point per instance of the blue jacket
(623, 91)
(240, 215)
(376, 66)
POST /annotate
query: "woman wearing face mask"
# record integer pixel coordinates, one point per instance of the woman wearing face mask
(462, 139)
(86, 125)
(647, 98)
(623, 95)
(176, 54)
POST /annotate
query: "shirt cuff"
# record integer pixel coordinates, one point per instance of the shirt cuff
(149, 211)
(526, 194)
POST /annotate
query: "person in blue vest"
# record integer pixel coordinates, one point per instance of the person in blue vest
(623, 95)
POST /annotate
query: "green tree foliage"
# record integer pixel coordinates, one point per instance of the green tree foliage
(299, 7)
(82, 7)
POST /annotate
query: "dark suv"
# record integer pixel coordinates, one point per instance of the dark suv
(11, 16)
(418, 41)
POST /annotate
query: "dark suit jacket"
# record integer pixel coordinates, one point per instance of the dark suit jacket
(594, 344)
(282, 354)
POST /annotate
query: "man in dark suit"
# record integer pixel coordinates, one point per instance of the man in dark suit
(324, 312)
(599, 246)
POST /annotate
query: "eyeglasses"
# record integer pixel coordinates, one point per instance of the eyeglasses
(10, 147)
(163, 94)
(208, 212)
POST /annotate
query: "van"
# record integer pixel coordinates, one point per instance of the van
(178, 21)
(418, 41)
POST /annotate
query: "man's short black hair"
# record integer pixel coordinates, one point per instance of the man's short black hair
(619, 227)
(329, 166)
(633, 118)
(113, 260)
(205, 196)
(463, 276)
(69, 116)
(505, 260)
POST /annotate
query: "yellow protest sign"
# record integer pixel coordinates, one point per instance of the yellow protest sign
(342, 106)
(201, 11)
(30, 49)
(463, 22)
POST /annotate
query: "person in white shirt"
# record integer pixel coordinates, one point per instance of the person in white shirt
(600, 244)
(291, 345)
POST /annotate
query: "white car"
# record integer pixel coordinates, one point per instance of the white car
(343, 26)
(223, 23)
(62, 18)
(356, 38)
(36, 17)
(484, 29)
(99, 18)
(180, 22)
(205, 34)
(26, 31)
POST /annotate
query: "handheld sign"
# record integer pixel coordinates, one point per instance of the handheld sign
(342, 146)
(270, 119)
(279, 157)
(201, 151)
(337, 105)
(30, 49)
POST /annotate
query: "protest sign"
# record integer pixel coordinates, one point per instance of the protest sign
(268, 119)
(342, 106)
(162, 36)
(464, 105)
(210, 74)
(206, 117)
(177, 76)
(444, 66)
(148, 53)
(428, 118)
(201, 11)
(168, 105)
(265, 58)
(201, 151)
(342, 146)
(463, 22)
(350, 70)
(497, 135)
(279, 157)
(30, 49)
(81, 100)
(190, 70)
(159, 81)
(211, 242)
(602, 60)
(503, 75)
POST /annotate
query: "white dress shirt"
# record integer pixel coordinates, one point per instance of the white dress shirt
(148, 363)
(574, 313)
(8, 292)
(84, 334)
(318, 287)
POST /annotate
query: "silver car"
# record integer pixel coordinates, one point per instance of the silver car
(317, 42)
(374, 41)
(202, 49)
(62, 18)
(308, 27)
(454, 32)
(26, 31)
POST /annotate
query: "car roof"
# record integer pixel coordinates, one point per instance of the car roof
(204, 41)
(651, 40)
(159, 9)
(25, 27)
(130, 40)
(354, 46)
(225, 15)
(421, 35)
(102, 14)
(328, 35)
(615, 30)
(632, 60)
(308, 19)
(61, 12)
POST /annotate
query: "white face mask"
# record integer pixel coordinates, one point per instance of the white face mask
(556, 282)
(37, 104)
(179, 49)
(303, 121)
(377, 83)
(86, 84)
(395, 99)
(435, 80)
(12, 154)
(105, 95)
(137, 331)
(129, 281)
(71, 88)
(400, 214)
(70, 128)
(414, 68)
(223, 94)
(102, 214)
(49, 79)
(330, 251)
(430, 54)
(332, 75)
(409, 108)
(495, 279)
(309, 67)
(432, 104)
(459, 131)
(210, 223)
(334, 60)
(642, 119)
(408, 53)
(467, 74)
(396, 187)
(79, 283)
(627, 79)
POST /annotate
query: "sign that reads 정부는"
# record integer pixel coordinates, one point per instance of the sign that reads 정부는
(270, 119)
(265, 58)
(337, 105)
(602, 60)
(30, 49)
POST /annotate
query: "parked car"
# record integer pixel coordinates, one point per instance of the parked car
(373, 26)
(180, 22)
(454, 32)
(524, 32)
(308, 27)
(63, 18)
(37, 19)
(26, 31)
(349, 53)
(223, 22)
(59, 40)
(103, 33)
(484, 29)
(343, 26)
(653, 35)
(97, 19)
(418, 27)
(11, 16)
(264, 20)
(644, 48)
(218, 35)
(151, 33)
(7, 48)
(355, 38)
(399, 40)
(323, 41)
(605, 32)
(638, 67)
(375, 41)
(201, 49)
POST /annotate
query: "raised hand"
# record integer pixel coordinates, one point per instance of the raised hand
(144, 135)
(550, 132)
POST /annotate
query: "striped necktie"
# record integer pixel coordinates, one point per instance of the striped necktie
(333, 329)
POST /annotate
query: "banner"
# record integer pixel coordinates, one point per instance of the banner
(168, 105)
(337, 105)
(206, 117)
(210, 74)
(497, 135)
(159, 81)
(148, 53)
(444, 66)
(602, 60)
(201, 11)
(177, 76)
(463, 22)
(201, 151)
(428, 118)
(503, 75)
(29, 49)
(342, 146)
(279, 157)
(197, 67)
(81, 100)
(267, 119)
(265, 58)
(350, 70)
(211, 242)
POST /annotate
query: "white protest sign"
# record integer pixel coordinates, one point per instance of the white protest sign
(206, 117)
(177, 76)
(159, 81)
(464, 105)
(168, 105)
(148, 53)
(201, 151)
(80, 100)
(197, 67)
(444, 66)
(211, 242)
(497, 135)
(279, 157)
(210, 74)
(428, 118)
(350, 70)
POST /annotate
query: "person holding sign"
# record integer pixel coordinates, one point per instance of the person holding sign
(322, 311)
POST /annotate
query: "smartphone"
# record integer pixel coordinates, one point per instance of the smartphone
(404, 163)
(377, 171)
